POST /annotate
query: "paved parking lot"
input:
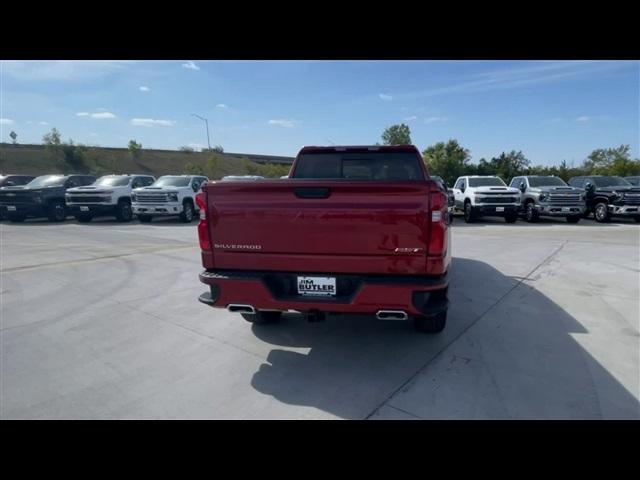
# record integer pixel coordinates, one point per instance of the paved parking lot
(101, 320)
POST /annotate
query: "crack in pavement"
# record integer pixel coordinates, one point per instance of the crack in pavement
(544, 262)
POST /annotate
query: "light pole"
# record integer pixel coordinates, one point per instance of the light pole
(207, 124)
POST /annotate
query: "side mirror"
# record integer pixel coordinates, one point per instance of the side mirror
(194, 187)
(589, 187)
(462, 189)
(523, 187)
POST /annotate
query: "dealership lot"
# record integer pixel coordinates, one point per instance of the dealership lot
(101, 320)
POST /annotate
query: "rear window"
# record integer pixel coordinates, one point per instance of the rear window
(359, 166)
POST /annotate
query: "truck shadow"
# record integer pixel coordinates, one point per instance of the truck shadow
(520, 360)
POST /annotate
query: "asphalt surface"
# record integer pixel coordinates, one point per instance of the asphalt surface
(101, 320)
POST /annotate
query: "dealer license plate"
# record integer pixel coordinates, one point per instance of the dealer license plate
(317, 286)
(11, 208)
(84, 209)
(499, 209)
(566, 209)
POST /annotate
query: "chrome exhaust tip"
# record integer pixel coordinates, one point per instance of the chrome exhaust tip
(237, 307)
(391, 315)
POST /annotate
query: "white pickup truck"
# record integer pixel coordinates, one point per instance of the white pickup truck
(487, 195)
(170, 195)
(110, 195)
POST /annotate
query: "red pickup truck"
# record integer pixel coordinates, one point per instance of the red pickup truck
(352, 230)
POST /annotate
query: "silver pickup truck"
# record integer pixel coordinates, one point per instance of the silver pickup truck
(549, 196)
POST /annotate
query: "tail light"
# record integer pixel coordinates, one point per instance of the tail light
(203, 225)
(438, 205)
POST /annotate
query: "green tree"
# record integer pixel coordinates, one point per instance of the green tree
(448, 160)
(509, 165)
(612, 161)
(218, 149)
(249, 167)
(74, 157)
(135, 149)
(212, 166)
(187, 149)
(397, 135)
(13, 136)
(193, 169)
(52, 138)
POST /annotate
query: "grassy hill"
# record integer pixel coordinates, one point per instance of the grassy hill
(38, 160)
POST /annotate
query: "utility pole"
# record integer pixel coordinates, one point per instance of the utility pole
(207, 124)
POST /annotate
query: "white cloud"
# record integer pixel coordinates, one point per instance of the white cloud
(150, 122)
(282, 123)
(144, 89)
(436, 119)
(43, 123)
(190, 65)
(222, 105)
(103, 115)
(412, 118)
(6, 121)
(583, 118)
(83, 114)
(385, 97)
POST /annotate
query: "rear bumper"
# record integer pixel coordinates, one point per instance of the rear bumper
(169, 208)
(622, 210)
(357, 294)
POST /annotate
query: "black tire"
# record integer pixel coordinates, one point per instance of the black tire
(57, 211)
(601, 212)
(124, 212)
(262, 317)
(84, 217)
(469, 214)
(145, 218)
(511, 217)
(431, 324)
(188, 213)
(574, 218)
(16, 218)
(530, 213)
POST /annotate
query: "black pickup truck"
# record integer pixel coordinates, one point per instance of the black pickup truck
(12, 181)
(42, 197)
(609, 196)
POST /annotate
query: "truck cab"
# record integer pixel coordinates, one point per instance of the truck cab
(486, 195)
(110, 195)
(44, 196)
(169, 195)
(609, 196)
(549, 196)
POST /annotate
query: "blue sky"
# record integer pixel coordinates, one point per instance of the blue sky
(549, 110)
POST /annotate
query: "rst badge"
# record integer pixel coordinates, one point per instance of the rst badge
(317, 286)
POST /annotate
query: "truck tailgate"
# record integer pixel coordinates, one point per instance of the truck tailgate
(319, 226)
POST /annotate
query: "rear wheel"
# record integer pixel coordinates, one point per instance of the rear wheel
(574, 218)
(431, 324)
(262, 317)
(84, 217)
(601, 212)
(530, 213)
(123, 211)
(469, 214)
(57, 211)
(187, 212)
(144, 218)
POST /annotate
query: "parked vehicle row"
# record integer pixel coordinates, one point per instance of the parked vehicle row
(84, 196)
(534, 196)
